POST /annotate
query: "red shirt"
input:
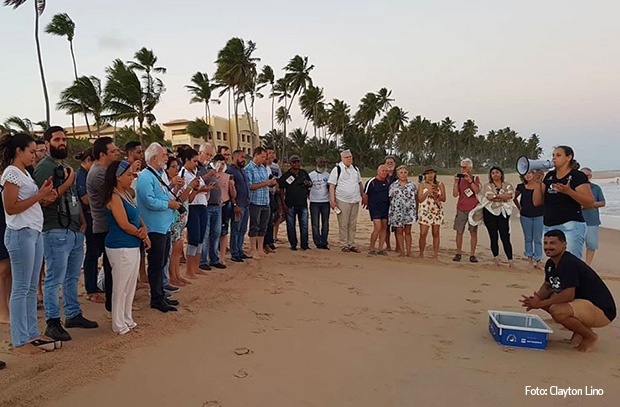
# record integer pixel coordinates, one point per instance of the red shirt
(466, 203)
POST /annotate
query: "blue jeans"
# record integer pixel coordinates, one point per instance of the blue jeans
(25, 247)
(64, 252)
(91, 257)
(575, 236)
(238, 229)
(301, 213)
(532, 233)
(211, 245)
(319, 215)
(196, 227)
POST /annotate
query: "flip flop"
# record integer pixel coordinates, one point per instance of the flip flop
(457, 257)
(473, 259)
(47, 346)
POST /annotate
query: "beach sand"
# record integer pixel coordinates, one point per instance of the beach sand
(321, 328)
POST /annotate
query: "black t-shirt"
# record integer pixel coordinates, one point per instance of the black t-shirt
(295, 192)
(572, 272)
(527, 203)
(378, 193)
(560, 208)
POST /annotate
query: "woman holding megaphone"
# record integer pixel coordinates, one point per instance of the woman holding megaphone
(564, 191)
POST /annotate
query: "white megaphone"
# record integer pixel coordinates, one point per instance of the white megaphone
(525, 165)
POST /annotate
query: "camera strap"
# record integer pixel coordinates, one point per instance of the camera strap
(161, 181)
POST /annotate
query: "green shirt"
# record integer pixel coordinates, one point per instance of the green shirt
(65, 212)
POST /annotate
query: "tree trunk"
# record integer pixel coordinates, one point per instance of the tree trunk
(75, 72)
(273, 99)
(40, 59)
(247, 115)
(236, 106)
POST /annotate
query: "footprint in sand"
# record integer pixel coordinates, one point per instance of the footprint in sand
(354, 290)
(274, 290)
(475, 291)
(258, 330)
(473, 300)
(263, 316)
(486, 284)
(212, 403)
(241, 374)
(519, 286)
(242, 351)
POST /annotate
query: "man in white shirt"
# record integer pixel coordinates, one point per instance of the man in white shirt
(319, 204)
(345, 194)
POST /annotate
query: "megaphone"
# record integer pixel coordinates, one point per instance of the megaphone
(525, 165)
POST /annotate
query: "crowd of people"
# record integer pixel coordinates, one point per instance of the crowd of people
(136, 208)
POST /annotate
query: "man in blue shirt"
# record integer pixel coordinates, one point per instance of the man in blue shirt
(592, 218)
(260, 182)
(157, 207)
(241, 204)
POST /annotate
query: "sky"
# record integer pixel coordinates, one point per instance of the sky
(545, 67)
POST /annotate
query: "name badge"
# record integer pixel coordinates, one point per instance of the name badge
(73, 200)
(290, 179)
(468, 192)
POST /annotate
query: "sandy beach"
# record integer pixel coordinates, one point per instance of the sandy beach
(320, 328)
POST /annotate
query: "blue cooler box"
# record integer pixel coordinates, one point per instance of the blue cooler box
(518, 329)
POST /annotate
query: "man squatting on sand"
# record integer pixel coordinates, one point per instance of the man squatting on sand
(572, 293)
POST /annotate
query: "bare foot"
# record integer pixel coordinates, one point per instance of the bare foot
(28, 349)
(178, 283)
(576, 339)
(511, 264)
(539, 265)
(401, 254)
(201, 273)
(185, 281)
(531, 262)
(496, 261)
(421, 255)
(434, 256)
(191, 276)
(588, 343)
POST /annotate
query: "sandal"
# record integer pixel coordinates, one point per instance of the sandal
(457, 257)
(346, 249)
(47, 346)
(354, 250)
(372, 252)
(96, 297)
(473, 259)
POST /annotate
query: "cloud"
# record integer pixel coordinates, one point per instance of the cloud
(114, 42)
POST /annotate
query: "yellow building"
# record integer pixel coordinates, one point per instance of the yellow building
(222, 133)
(82, 131)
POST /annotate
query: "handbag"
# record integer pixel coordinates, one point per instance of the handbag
(181, 209)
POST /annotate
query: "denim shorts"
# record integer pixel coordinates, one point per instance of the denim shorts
(592, 237)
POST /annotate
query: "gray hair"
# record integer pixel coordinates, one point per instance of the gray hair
(468, 162)
(345, 153)
(205, 147)
(152, 150)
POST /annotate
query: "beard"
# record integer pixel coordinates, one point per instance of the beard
(58, 153)
(320, 169)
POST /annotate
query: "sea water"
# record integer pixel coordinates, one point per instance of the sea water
(610, 214)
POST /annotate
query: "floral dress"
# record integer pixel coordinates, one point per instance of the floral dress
(430, 211)
(402, 204)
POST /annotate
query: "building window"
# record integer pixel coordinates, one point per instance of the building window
(225, 136)
(178, 132)
(243, 138)
(219, 135)
(210, 134)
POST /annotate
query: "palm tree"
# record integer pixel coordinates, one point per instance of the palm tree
(297, 78)
(298, 138)
(274, 139)
(84, 95)
(39, 7)
(396, 120)
(199, 128)
(311, 101)
(368, 110)
(468, 136)
(145, 62)
(383, 99)
(125, 98)
(201, 90)
(62, 26)
(14, 125)
(339, 117)
(236, 68)
(267, 77)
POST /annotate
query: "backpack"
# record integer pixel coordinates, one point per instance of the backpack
(339, 170)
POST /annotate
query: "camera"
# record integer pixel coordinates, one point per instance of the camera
(270, 176)
(460, 175)
(181, 210)
(421, 178)
(58, 177)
